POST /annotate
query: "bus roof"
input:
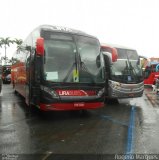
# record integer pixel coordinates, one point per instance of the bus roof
(63, 30)
(116, 46)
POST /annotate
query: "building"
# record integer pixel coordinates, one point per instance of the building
(152, 59)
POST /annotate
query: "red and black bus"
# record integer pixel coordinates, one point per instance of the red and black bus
(57, 68)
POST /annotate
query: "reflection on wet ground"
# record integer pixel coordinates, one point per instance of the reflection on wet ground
(147, 130)
(95, 131)
(102, 131)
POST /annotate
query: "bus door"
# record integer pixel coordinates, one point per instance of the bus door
(34, 64)
(110, 56)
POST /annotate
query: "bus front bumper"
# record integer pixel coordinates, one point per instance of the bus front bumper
(70, 106)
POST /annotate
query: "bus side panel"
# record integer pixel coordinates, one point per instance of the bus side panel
(19, 78)
(18, 72)
(150, 80)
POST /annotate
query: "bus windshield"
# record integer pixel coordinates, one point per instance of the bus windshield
(72, 58)
(127, 69)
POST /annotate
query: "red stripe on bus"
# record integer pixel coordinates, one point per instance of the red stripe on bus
(71, 106)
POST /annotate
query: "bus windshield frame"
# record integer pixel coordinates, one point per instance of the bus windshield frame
(126, 69)
(72, 59)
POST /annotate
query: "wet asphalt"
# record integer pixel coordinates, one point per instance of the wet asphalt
(129, 126)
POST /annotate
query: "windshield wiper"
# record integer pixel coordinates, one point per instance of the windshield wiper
(133, 69)
(129, 70)
(71, 69)
(83, 67)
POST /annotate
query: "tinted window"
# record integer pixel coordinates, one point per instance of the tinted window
(125, 53)
(59, 58)
(72, 58)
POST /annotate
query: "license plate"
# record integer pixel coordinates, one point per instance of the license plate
(79, 104)
(131, 95)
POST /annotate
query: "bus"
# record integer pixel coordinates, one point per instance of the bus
(125, 76)
(58, 68)
(151, 73)
(6, 74)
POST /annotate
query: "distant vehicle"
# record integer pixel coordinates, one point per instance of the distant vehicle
(7, 79)
(151, 73)
(125, 76)
(57, 68)
(143, 62)
(6, 74)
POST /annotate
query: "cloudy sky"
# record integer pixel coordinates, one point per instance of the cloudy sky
(132, 23)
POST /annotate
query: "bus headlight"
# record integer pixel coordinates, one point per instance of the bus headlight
(101, 92)
(50, 91)
(115, 85)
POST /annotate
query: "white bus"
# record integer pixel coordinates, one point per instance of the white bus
(125, 75)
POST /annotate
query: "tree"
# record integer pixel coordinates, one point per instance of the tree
(6, 42)
(18, 42)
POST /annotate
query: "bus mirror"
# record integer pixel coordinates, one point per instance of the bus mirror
(112, 51)
(98, 63)
(114, 55)
(40, 46)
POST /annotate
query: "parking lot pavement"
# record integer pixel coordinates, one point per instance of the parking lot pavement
(103, 131)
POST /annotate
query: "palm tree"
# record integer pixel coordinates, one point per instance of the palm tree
(18, 42)
(6, 42)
